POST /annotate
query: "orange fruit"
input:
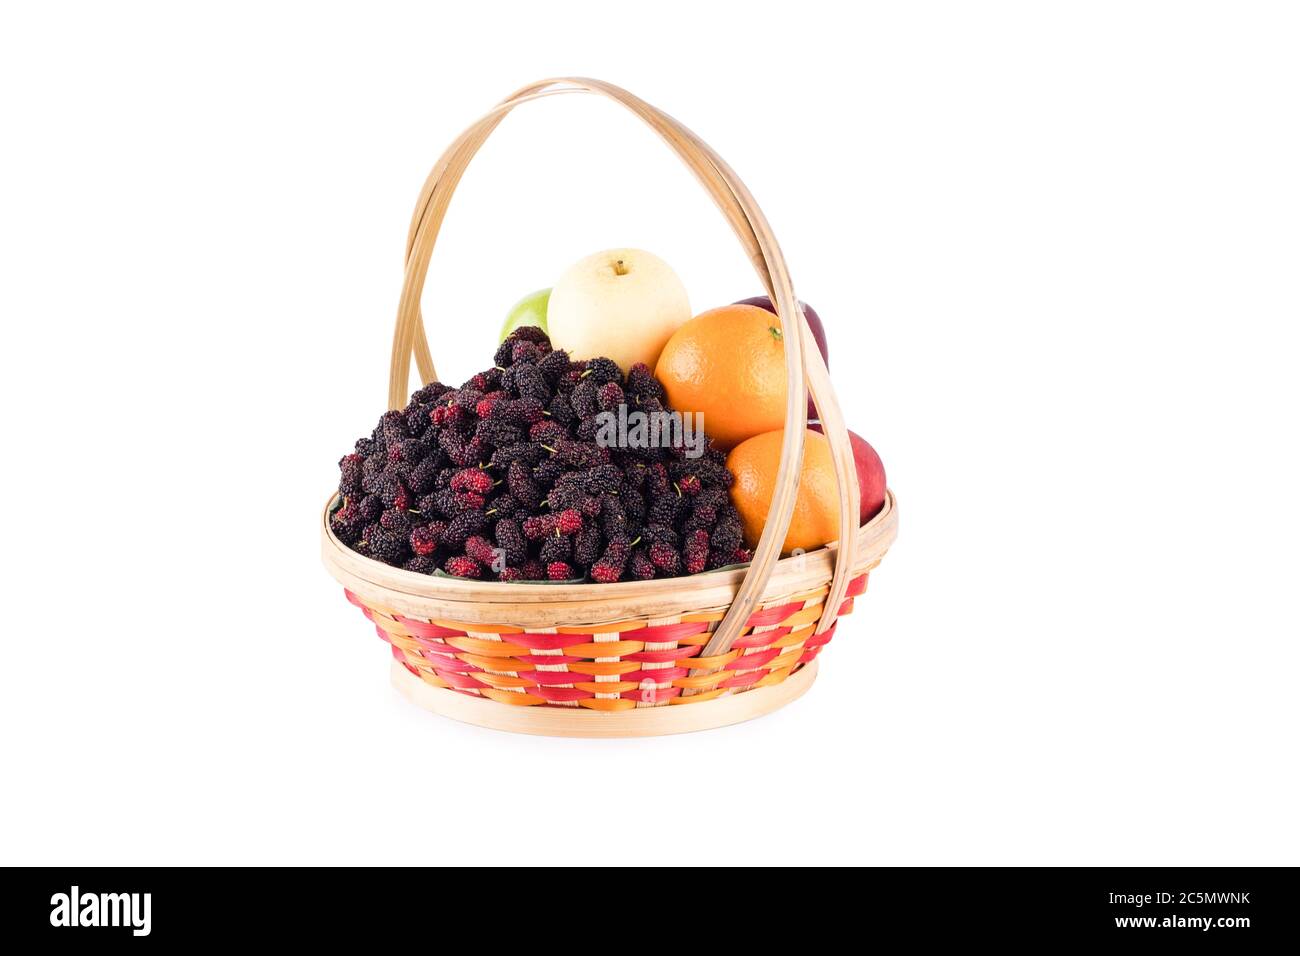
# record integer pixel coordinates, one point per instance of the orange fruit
(728, 364)
(816, 518)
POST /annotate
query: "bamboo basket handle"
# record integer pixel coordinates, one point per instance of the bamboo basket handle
(751, 227)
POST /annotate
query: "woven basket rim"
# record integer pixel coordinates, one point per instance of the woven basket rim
(349, 566)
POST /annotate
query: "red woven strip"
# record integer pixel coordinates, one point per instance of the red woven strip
(761, 638)
(743, 680)
(352, 598)
(397, 653)
(806, 656)
(442, 660)
(846, 607)
(757, 659)
(455, 665)
(383, 635)
(856, 586)
(817, 640)
(410, 668)
(651, 695)
(660, 676)
(548, 658)
(663, 633)
(426, 630)
(560, 693)
(548, 642)
(773, 615)
(553, 678)
(463, 681)
(662, 657)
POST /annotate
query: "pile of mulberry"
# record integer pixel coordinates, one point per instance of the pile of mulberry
(507, 478)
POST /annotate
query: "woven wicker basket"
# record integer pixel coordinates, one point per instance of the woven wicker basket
(636, 658)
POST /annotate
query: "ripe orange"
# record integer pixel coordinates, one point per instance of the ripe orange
(729, 364)
(816, 510)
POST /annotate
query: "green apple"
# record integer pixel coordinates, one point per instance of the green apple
(530, 310)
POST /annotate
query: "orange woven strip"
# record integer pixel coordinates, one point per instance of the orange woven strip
(608, 703)
(698, 698)
(707, 616)
(503, 680)
(797, 636)
(807, 616)
(494, 663)
(701, 680)
(695, 640)
(389, 626)
(511, 697)
(717, 660)
(475, 645)
(788, 659)
(433, 679)
(607, 687)
(774, 677)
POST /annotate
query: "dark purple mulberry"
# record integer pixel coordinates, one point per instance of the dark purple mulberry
(642, 383)
(371, 507)
(350, 467)
(640, 566)
(554, 365)
(602, 370)
(610, 567)
(519, 479)
(586, 546)
(603, 480)
(421, 564)
(665, 557)
(424, 475)
(609, 396)
(556, 549)
(548, 471)
(583, 400)
(497, 433)
(428, 394)
(561, 411)
(387, 546)
(461, 527)
(510, 539)
(393, 427)
(348, 522)
(398, 521)
(526, 451)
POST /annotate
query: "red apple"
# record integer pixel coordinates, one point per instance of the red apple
(814, 323)
(871, 476)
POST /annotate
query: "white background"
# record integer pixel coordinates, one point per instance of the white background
(1055, 247)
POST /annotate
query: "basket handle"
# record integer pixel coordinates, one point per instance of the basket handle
(752, 229)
